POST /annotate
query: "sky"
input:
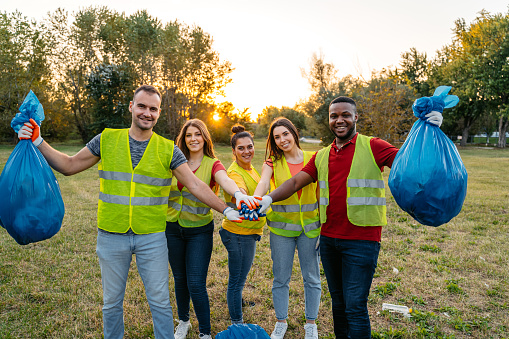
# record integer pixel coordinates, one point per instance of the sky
(268, 42)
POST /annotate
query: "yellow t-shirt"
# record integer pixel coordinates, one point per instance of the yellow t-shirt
(234, 227)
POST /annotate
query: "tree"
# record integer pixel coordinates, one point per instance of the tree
(23, 66)
(270, 113)
(414, 70)
(191, 73)
(384, 108)
(488, 43)
(110, 88)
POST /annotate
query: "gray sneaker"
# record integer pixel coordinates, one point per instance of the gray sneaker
(279, 330)
(182, 329)
(205, 336)
(311, 331)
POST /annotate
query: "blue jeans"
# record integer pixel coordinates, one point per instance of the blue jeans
(115, 252)
(241, 251)
(189, 252)
(349, 266)
(282, 253)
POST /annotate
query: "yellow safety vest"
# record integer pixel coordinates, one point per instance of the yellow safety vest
(133, 198)
(184, 207)
(251, 186)
(291, 216)
(366, 205)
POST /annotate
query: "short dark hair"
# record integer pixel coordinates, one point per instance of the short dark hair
(147, 88)
(271, 148)
(344, 99)
(239, 132)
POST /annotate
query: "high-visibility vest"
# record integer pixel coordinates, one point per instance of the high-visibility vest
(292, 216)
(251, 186)
(184, 207)
(366, 205)
(133, 198)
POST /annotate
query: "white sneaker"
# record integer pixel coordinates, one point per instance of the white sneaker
(182, 328)
(205, 336)
(279, 330)
(311, 331)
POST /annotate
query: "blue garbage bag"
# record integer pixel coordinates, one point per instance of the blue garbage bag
(31, 205)
(428, 179)
(243, 331)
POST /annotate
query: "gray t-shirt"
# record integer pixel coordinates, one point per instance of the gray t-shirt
(137, 149)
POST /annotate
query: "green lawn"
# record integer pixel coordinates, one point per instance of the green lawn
(454, 277)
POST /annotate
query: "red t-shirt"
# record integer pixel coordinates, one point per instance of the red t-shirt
(218, 166)
(340, 161)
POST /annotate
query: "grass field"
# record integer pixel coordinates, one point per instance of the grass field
(454, 277)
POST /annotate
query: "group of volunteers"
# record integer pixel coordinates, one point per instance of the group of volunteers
(156, 199)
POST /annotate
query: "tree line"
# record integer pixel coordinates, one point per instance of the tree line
(475, 64)
(84, 67)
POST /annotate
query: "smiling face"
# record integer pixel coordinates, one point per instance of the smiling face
(244, 152)
(194, 139)
(283, 138)
(145, 109)
(342, 119)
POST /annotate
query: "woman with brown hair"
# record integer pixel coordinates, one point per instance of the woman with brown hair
(190, 226)
(293, 223)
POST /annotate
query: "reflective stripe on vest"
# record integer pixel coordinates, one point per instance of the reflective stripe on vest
(251, 184)
(295, 208)
(133, 198)
(366, 203)
(293, 227)
(187, 208)
(137, 178)
(135, 201)
(355, 201)
(293, 215)
(365, 183)
(184, 207)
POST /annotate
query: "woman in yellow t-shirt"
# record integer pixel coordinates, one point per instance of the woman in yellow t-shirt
(240, 239)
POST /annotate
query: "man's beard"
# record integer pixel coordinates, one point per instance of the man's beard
(348, 136)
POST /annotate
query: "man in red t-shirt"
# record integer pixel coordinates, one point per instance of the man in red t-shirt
(352, 212)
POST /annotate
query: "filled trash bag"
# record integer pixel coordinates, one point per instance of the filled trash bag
(243, 331)
(31, 205)
(428, 179)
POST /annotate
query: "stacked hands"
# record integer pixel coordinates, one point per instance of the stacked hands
(250, 208)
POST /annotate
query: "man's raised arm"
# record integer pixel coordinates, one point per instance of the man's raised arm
(61, 162)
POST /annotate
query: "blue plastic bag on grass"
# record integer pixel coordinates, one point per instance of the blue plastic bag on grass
(31, 205)
(243, 331)
(428, 179)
